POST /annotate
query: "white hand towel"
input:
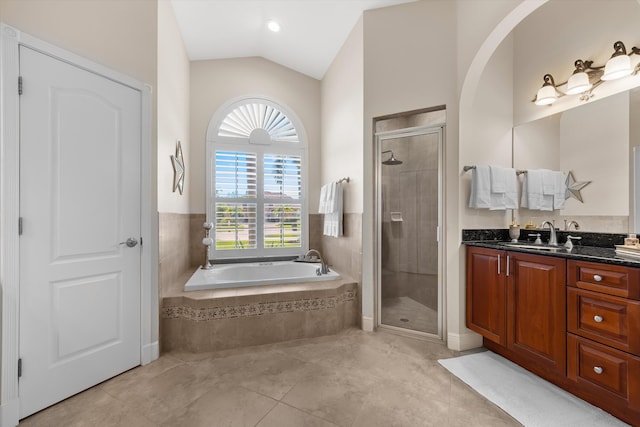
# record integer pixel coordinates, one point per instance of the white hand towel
(524, 199)
(480, 188)
(532, 196)
(497, 186)
(560, 190)
(504, 188)
(333, 199)
(511, 189)
(322, 204)
(498, 176)
(548, 182)
(333, 219)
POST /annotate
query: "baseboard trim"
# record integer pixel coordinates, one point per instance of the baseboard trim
(150, 352)
(367, 324)
(10, 413)
(462, 342)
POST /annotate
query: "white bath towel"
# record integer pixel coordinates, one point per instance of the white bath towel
(480, 188)
(333, 217)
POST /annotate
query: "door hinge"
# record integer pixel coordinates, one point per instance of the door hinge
(19, 85)
(19, 367)
(20, 226)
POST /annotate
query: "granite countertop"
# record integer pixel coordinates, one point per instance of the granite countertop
(599, 247)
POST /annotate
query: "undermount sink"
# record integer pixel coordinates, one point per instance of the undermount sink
(540, 247)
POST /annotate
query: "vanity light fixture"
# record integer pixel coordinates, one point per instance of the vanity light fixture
(620, 64)
(547, 94)
(586, 76)
(579, 81)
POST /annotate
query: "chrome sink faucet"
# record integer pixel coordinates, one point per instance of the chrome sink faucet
(324, 268)
(553, 240)
(567, 225)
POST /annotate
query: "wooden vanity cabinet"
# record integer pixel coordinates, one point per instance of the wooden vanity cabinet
(574, 323)
(486, 293)
(603, 336)
(536, 311)
(518, 301)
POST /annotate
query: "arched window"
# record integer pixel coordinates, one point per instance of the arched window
(256, 180)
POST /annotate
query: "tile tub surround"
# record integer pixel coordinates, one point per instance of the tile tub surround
(174, 240)
(203, 321)
(343, 253)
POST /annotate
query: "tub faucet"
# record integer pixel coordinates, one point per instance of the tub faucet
(553, 240)
(324, 268)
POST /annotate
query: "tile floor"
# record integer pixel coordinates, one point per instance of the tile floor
(405, 312)
(350, 379)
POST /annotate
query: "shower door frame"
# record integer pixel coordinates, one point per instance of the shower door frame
(380, 138)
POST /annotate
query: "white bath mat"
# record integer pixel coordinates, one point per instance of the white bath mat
(526, 397)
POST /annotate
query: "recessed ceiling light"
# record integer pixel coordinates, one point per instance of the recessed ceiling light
(273, 26)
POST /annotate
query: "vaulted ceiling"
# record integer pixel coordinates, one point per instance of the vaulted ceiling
(312, 31)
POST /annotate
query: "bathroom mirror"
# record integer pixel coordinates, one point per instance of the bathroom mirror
(595, 142)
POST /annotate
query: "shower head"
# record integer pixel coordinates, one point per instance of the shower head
(392, 161)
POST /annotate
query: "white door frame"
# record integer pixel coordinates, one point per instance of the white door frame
(10, 40)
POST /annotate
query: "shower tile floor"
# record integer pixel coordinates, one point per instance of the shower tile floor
(354, 378)
(405, 312)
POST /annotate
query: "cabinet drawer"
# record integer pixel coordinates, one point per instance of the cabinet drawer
(609, 279)
(609, 320)
(605, 368)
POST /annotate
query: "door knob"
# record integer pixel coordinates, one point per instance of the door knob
(131, 242)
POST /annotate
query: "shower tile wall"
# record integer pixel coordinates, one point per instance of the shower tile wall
(410, 248)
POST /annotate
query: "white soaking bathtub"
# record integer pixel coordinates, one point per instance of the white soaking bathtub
(223, 276)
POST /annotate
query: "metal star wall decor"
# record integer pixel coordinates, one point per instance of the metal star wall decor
(178, 169)
(574, 187)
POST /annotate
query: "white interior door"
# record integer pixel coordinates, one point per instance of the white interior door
(79, 198)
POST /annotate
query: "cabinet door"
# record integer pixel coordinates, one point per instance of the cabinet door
(486, 293)
(537, 310)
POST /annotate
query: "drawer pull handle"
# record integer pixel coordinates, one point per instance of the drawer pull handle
(598, 370)
(598, 319)
(597, 277)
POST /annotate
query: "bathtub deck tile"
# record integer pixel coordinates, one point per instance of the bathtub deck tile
(202, 325)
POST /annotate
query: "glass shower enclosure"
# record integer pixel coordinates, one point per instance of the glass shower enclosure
(409, 214)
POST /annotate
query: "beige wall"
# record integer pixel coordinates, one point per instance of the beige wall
(408, 65)
(215, 82)
(342, 119)
(173, 110)
(118, 34)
